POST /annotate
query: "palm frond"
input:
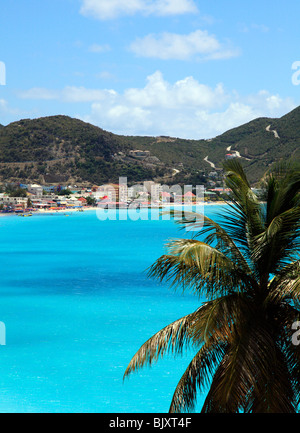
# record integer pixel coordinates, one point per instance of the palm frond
(246, 366)
(243, 332)
(246, 207)
(197, 266)
(278, 395)
(172, 338)
(216, 236)
(221, 319)
(282, 185)
(196, 377)
(219, 326)
(212, 324)
(285, 284)
(276, 246)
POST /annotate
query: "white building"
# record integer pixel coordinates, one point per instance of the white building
(35, 189)
(114, 192)
(140, 154)
(153, 188)
(13, 201)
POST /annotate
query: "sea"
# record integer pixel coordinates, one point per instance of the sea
(76, 305)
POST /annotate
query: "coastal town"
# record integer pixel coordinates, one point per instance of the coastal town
(28, 198)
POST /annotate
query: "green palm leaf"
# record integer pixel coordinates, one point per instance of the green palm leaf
(198, 266)
(248, 272)
(172, 338)
(196, 377)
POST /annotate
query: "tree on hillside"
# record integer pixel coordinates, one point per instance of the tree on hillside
(65, 191)
(91, 201)
(248, 269)
(17, 192)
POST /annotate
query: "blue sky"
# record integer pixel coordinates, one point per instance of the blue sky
(185, 68)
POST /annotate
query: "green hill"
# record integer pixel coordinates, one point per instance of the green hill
(62, 149)
(261, 142)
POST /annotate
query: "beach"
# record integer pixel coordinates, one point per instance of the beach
(97, 208)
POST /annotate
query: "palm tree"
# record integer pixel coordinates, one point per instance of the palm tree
(248, 271)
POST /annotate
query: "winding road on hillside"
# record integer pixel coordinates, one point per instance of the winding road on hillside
(272, 130)
(209, 162)
(236, 153)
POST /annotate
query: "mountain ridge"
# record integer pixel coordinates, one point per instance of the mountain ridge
(63, 149)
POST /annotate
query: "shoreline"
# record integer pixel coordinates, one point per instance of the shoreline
(92, 208)
(46, 212)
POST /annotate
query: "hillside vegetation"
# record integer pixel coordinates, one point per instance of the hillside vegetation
(62, 149)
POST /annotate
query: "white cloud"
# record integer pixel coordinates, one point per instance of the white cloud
(245, 28)
(68, 94)
(81, 94)
(109, 9)
(172, 7)
(216, 122)
(3, 105)
(187, 92)
(186, 108)
(7, 112)
(39, 93)
(4, 108)
(97, 48)
(261, 27)
(105, 75)
(271, 104)
(181, 47)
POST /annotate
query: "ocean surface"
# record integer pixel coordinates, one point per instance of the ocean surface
(77, 304)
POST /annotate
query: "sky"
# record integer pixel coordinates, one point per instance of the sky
(184, 68)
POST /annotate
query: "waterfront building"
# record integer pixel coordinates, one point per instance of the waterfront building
(35, 189)
(13, 201)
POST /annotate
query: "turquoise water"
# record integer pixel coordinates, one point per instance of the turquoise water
(77, 305)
